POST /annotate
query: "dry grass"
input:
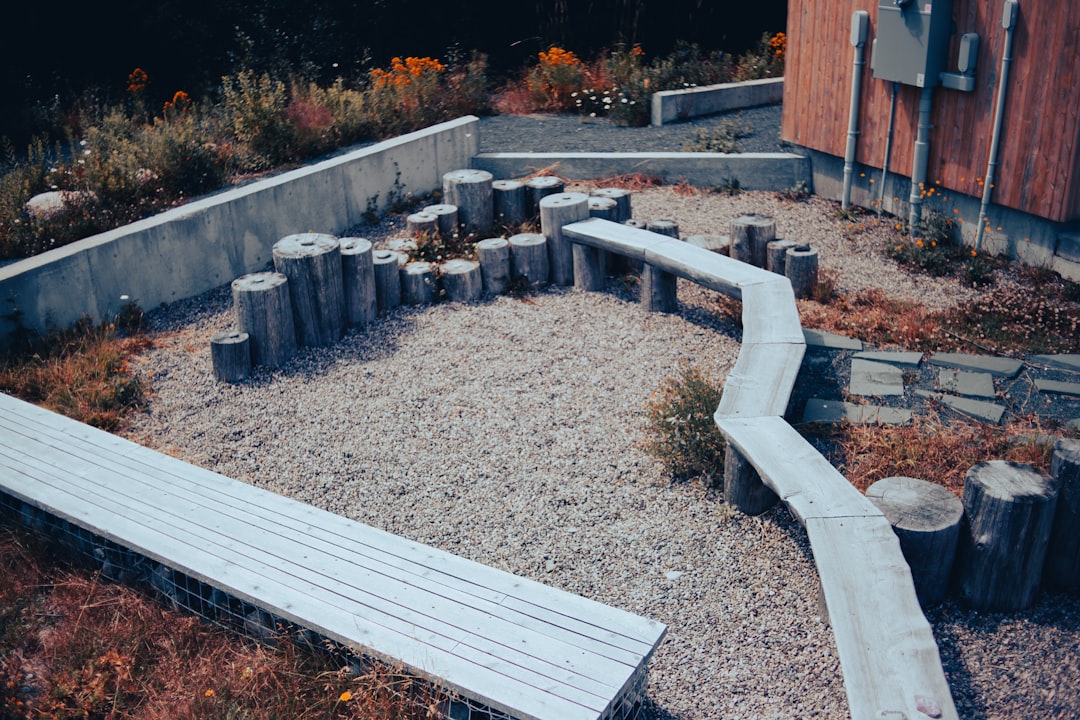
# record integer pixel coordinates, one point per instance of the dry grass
(73, 646)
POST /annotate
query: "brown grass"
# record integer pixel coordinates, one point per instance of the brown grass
(73, 646)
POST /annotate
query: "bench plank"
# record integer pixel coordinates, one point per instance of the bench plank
(761, 381)
(418, 610)
(770, 314)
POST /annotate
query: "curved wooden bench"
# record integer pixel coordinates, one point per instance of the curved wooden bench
(890, 660)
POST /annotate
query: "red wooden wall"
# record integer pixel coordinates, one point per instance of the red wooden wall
(1039, 158)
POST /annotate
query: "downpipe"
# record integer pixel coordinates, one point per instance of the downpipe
(921, 160)
(888, 150)
(860, 20)
(1008, 21)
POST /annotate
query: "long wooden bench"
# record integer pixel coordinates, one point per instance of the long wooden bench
(890, 661)
(501, 641)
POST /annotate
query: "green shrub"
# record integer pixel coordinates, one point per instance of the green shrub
(680, 428)
(722, 138)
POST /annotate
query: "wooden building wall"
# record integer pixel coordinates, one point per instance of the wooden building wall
(1039, 159)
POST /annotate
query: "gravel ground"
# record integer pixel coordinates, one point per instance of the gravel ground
(510, 433)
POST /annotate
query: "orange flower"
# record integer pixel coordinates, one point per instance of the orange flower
(345, 696)
(209, 693)
(137, 81)
(180, 103)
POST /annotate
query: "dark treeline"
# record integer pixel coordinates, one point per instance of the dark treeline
(52, 58)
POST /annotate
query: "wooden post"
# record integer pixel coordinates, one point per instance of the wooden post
(621, 198)
(529, 261)
(1009, 514)
(1062, 571)
(603, 208)
(406, 246)
(625, 264)
(590, 267)
(664, 227)
(494, 256)
(417, 283)
(509, 203)
(312, 262)
(926, 519)
(230, 353)
(801, 268)
(538, 188)
(422, 223)
(358, 281)
(471, 191)
(462, 281)
(776, 255)
(446, 219)
(639, 224)
(719, 244)
(743, 488)
(387, 280)
(555, 211)
(264, 311)
(753, 232)
(658, 290)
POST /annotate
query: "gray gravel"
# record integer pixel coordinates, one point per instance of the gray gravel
(510, 433)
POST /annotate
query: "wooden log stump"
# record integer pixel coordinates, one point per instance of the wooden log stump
(634, 223)
(446, 219)
(664, 227)
(556, 211)
(264, 311)
(230, 354)
(743, 489)
(658, 290)
(719, 244)
(926, 519)
(509, 203)
(529, 262)
(358, 281)
(387, 280)
(754, 232)
(417, 283)
(801, 268)
(590, 267)
(627, 265)
(422, 223)
(538, 188)
(406, 246)
(776, 255)
(1062, 570)
(462, 281)
(603, 208)
(622, 201)
(471, 191)
(494, 256)
(1009, 512)
(312, 262)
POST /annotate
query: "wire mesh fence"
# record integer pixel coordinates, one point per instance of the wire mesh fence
(181, 592)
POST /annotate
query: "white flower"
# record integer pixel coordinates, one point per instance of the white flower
(124, 298)
(573, 94)
(82, 143)
(592, 114)
(623, 100)
(85, 152)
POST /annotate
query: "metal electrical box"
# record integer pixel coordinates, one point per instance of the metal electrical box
(912, 41)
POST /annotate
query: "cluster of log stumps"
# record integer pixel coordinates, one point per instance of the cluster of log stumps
(321, 284)
(1014, 531)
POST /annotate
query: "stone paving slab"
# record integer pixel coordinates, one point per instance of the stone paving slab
(830, 341)
(875, 378)
(996, 366)
(1060, 388)
(834, 411)
(971, 384)
(978, 409)
(1062, 362)
(893, 357)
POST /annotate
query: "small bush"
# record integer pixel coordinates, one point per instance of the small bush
(680, 427)
(722, 138)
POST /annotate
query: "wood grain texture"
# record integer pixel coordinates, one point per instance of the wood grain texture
(1062, 569)
(509, 642)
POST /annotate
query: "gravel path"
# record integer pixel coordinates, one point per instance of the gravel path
(510, 433)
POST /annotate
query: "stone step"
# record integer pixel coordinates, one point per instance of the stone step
(1062, 362)
(834, 411)
(972, 384)
(830, 341)
(875, 379)
(978, 409)
(893, 357)
(1057, 387)
(996, 366)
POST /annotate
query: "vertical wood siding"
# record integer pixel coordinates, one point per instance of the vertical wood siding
(1039, 159)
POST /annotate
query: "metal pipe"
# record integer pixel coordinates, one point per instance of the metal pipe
(921, 159)
(859, 22)
(888, 149)
(1008, 21)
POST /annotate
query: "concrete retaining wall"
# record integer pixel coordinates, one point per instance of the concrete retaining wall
(752, 171)
(209, 242)
(674, 105)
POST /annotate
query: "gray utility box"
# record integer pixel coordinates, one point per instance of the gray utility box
(912, 41)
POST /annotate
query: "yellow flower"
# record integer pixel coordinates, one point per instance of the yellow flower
(345, 696)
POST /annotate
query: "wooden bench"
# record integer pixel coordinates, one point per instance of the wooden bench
(890, 660)
(498, 640)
